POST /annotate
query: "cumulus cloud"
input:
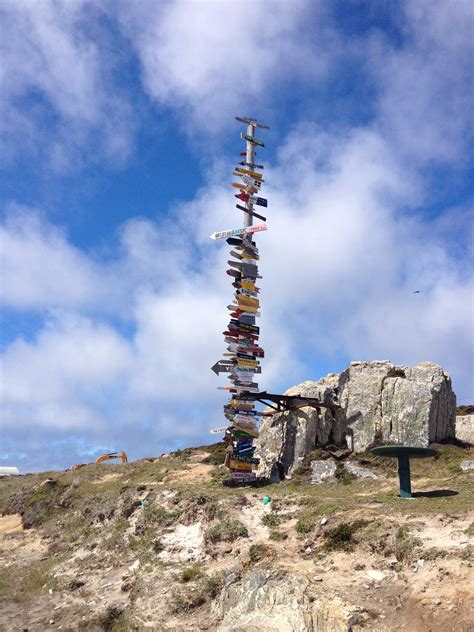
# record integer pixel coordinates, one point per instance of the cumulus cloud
(127, 342)
(338, 281)
(56, 78)
(425, 85)
(209, 60)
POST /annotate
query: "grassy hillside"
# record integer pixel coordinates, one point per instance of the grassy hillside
(148, 545)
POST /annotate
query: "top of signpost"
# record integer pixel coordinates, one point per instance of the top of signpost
(412, 452)
(250, 121)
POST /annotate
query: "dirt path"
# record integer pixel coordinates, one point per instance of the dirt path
(10, 524)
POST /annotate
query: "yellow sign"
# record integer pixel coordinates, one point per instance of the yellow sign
(248, 285)
(240, 465)
(244, 187)
(248, 363)
(248, 300)
(254, 174)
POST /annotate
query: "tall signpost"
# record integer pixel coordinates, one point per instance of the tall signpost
(242, 362)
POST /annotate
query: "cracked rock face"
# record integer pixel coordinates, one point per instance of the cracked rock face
(411, 406)
(268, 601)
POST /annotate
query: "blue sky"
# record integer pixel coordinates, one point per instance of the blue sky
(118, 142)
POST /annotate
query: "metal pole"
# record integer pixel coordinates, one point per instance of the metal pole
(404, 476)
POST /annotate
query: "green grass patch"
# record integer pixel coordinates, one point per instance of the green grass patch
(270, 520)
(257, 552)
(341, 537)
(226, 530)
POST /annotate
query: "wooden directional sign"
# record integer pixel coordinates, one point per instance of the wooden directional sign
(250, 121)
(252, 140)
(239, 465)
(244, 459)
(221, 367)
(247, 363)
(244, 187)
(218, 430)
(252, 213)
(247, 300)
(249, 164)
(244, 443)
(248, 285)
(242, 196)
(234, 273)
(253, 174)
(248, 180)
(239, 231)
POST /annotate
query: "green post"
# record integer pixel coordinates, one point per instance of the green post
(404, 476)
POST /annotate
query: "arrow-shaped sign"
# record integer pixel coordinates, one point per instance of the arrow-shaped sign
(252, 213)
(250, 121)
(244, 187)
(220, 367)
(251, 164)
(218, 430)
(239, 231)
(252, 140)
(247, 172)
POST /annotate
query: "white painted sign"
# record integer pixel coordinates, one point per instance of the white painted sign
(218, 430)
(238, 231)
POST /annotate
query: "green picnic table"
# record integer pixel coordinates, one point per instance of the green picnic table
(403, 453)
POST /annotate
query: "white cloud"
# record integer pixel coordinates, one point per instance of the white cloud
(426, 85)
(340, 262)
(41, 269)
(63, 379)
(56, 83)
(211, 59)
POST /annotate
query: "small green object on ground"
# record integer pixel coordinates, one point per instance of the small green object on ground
(403, 453)
(266, 500)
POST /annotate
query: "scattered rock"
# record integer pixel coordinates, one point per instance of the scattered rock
(466, 465)
(135, 566)
(378, 576)
(323, 471)
(75, 584)
(48, 482)
(359, 472)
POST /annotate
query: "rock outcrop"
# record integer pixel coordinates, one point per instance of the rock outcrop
(465, 428)
(269, 601)
(379, 400)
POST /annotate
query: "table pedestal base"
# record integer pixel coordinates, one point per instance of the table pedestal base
(404, 476)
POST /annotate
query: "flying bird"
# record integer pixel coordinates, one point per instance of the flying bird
(417, 292)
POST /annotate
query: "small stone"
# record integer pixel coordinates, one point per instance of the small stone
(50, 591)
(317, 578)
(51, 622)
(308, 549)
(323, 521)
(378, 576)
(437, 602)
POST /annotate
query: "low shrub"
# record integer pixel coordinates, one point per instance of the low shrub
(340, 538)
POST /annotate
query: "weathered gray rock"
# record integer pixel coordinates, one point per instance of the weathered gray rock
(268, 601)
(465, 428)
(466, 465)
(413, 406)
(323, 471)
(359, 472)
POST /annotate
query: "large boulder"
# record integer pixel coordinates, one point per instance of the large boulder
(465, 428)
(378, 399)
